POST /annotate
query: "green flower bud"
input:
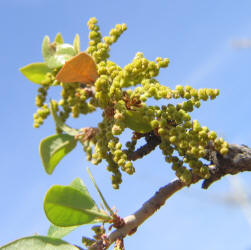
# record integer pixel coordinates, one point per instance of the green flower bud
(118, 145)
(172, 139)
(212, 135)
(36, 125)
(154, 124)
(180, 89)
(216, 92)
(187, 96)
(162, 132)
(93, 35)
(92, 20)
(197, 104)
(196, 126)
(194, 93)
(121, 162)
(224, 151)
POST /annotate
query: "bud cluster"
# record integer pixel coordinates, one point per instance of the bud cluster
(123, 95)
(43, 110)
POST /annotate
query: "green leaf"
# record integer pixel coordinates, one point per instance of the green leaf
(55, 62)
(60, 124)
(48, 49)
(76, 43)
(54, 148)
(70, 206)
(35, 72)
(60, 232)
(59, 39)
(78, 184)
(56, 54)
(39, 243)
(99, 192)
(134, 120)
(65, 49)
(64, 52)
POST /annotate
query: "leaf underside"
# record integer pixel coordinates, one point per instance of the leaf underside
(38, 243)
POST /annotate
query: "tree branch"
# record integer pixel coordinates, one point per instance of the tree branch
(238, 159)
(148, 209)
(152, 142)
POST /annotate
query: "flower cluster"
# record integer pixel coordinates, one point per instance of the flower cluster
(123, 95)
(43, 110)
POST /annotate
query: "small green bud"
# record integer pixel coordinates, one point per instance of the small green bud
(194, 93)
(224, 151)
(172, 139)
(154, 124)
(118, 145)
(121, 162)
(92, 20)
(188, 88)
(212, 135)
(162, 131)
(216, 92)
(197, 104)
(187, 96)
(196, 126)
(93, 35)
(180, 89)
(128, 165)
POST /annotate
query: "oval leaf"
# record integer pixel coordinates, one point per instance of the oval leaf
(36, 72)
(67, 206)
(59, 232)
(78, 184)
(38, 243)
(65, 49)
(57, 53)
(57, 61)
(64, 52)
(54, 148)
(80, 68)
(48, 49)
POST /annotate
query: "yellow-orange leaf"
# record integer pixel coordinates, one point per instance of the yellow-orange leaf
(80, 68)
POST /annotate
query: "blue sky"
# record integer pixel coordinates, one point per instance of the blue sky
(196, 36)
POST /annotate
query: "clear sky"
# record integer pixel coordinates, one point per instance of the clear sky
(197, 38)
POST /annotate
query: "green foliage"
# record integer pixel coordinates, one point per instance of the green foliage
(56, 54)
(72, 205)
(59, 39)
(59, 232)
(36, 72)
(123, 94)
(53, 148)
(39, 243)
